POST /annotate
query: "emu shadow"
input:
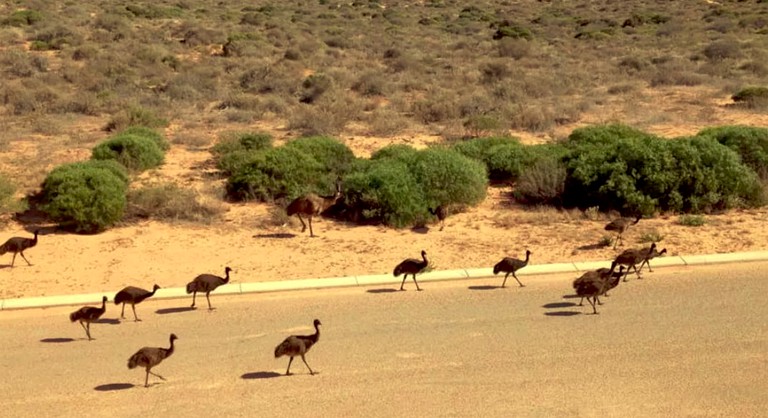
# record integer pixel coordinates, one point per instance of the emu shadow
(588, 247)
(558, 305)
(260, 375)
(382, 290)
(276, 235)
(57, 340)
(562, 313)
(571, 296)
(175, 310)
(110, 321)
(420, 229)
(114, 386)
(484, 287)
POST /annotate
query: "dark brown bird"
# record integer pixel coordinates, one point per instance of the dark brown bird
(620, 226)
(510, 266)
(133, 295)
(441, 212)
(312, 205)
(88, 314)
(17, 245)
(612, 277)
(298, 345)
(411, 266)
(149, 357)
(651, 255)
(632, 257)
(592, 284)
(207, 283)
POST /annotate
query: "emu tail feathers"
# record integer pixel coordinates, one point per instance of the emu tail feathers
(281, 349)
(134, 361)
(191, 287)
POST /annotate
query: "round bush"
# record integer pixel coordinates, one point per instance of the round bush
(751, 143)
(447, 177)
(148, 133)
(136, 153)
(113, 166)
(277, 173)
(87, 197)
(400, 152)
(503, 156)
(330, 153)
(602, 134)
(248, 141)
(385, 191)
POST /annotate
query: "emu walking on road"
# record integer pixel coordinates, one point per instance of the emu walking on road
(88, 314)
(298, 345)
(620, 226)
(510, 266)
(591, 286)
(411, 266)
(632, 257)
(207, 283)
(133, 295)
(312, 205)
(17, 245)
(149, 357)
(652, 253)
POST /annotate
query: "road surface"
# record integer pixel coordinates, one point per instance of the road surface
(681, 342)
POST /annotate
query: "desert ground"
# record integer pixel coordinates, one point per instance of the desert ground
(247, 239)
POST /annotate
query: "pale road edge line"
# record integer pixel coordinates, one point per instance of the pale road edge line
(461, 274)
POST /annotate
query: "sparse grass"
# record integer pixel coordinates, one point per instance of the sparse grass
(691, 220)
(168, 201)
(605, 241)
(651, 236)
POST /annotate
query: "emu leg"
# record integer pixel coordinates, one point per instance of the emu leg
(209, 301)
(592, 302)
(417, 283)
(403, 283)
(305, 362)
(122, 314)
(135, 318)
(518, 280)
(288, 370)
(86, 330)
(504, 283)
(311, 234)
(155, 374)
(25, 258)
(193, 298)
(13, 260)
(581, 301)
(303, 225)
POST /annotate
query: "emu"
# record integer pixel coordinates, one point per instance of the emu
(133, 295)
(632, 257)
(411, 266)
(510, 266)
(441, 212)
(602, 272)
(591, 286)
(149, 357)
(17, 245)
(298, 345)
(620, 226)
(207, 283)
(312, 205)
(88, 314)
(651, 255)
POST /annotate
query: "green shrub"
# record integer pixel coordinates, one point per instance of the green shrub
(599, 134)
(149, 133)
(87, 196)
(448, 177)
(247, 141)
(170, 202)
(117, 169)
(23, 18)
(751, 143)
(752, 96)
(135, 116)
(137, 153)
(691, 220)
(333, 155)
(385, 191)
(277, 173)
(401, 152)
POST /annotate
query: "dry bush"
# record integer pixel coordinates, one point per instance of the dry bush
(386, 122)
(329, 116)
(514, 48)
(168, 201)
(722, 49)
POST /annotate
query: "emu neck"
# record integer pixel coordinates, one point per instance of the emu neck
(316, 335)
(169, 351)
(226, 277)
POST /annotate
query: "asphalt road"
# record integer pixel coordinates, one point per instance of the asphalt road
(681, 342)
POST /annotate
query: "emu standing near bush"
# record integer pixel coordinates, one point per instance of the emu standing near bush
(133, 295)
(510, 266)
(621, 225)
(441, 212)
(88, 314)
(298, 345)
(17, 245)
(411, 266)
(207, 283)
(149, 357)
(311, 205)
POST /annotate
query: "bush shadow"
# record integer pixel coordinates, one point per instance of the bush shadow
(114, 386)
(260, 375)
(175, 310)
(57, 340)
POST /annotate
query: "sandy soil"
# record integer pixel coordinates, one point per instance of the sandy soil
(171, 254)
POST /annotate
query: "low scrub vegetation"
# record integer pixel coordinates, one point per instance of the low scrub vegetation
(168, 201)
(136, 148)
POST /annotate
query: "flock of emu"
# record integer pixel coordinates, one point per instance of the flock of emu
(591, 285)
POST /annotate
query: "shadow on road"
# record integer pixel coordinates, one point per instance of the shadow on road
(175, 310)
(382, 290)
(260, 375)
(110, 321)
(558, 305)
(484, 287)
(57, 340)
(114, 386)
(275, 235)
(571, 296)
(562, 313)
